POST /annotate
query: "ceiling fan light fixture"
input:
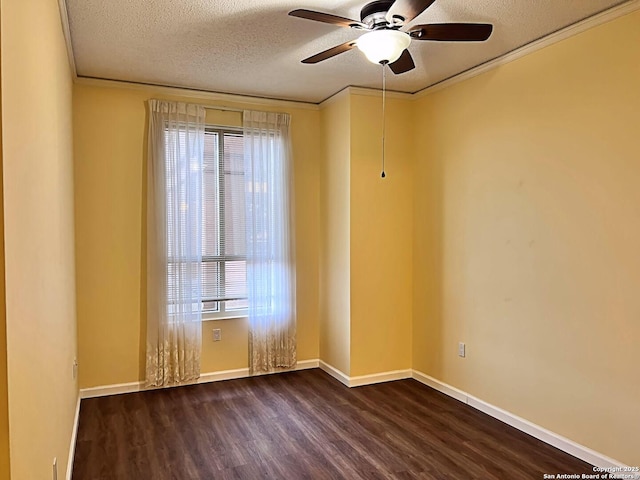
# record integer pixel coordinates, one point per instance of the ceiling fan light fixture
(383, 46)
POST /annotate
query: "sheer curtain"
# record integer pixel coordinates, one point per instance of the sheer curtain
(174, 242)
(270, 242)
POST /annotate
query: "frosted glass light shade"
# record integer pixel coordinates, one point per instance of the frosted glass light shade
(383, 45)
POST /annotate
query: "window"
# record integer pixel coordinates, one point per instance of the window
(224, 266)
(224, 274)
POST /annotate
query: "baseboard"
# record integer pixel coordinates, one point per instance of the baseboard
(440, 386)
(307, 364)
(133, 387)
(361, 380)
(74, 436)
(223, 375)
(562, 443)
(335, 373)
(105, 390)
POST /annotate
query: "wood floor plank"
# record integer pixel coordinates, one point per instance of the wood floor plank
(303, 425)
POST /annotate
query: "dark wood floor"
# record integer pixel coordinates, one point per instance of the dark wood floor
(303, 425)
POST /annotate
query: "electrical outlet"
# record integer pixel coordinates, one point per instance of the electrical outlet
(55, 468)
(74, 368)
(217, 335)
(462, 350)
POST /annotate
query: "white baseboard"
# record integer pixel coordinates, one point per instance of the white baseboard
(307, 364)
(562, 443)
(440, 386)
(105, 390)
(223, 375)
(74, 436)
(362, 380)
(132, 387)
(335, 373)
(371, 379)
(301, 365)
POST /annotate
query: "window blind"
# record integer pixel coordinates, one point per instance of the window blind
(224, 270)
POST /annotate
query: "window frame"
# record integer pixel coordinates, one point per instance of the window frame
(222, 313)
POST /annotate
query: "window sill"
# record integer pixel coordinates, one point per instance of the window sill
(212, 317)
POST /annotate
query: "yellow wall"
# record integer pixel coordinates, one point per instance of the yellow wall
(366, 259)
(4, 392)
(39, 239)
(380, 235)
(527, 229)
(335, 310)
(508, 221)
(110, 148)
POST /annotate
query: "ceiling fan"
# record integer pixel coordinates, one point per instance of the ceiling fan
(388, 33)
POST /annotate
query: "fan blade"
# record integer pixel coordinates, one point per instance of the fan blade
(408, 9)
(326, 18)
(403, 64)
(332, 52)
(452, 32)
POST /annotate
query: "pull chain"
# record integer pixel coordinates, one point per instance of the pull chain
(384, 89)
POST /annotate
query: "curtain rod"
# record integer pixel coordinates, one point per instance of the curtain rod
(224, 109)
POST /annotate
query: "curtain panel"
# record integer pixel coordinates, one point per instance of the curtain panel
(271, 279)
(174, 242)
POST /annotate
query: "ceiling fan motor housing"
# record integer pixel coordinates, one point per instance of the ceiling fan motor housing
(374, 14)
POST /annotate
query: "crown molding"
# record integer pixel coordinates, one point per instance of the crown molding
(334, 98)
(196, 94)
(363, 92)
(376, 92)
(555, 37)
(64, 19)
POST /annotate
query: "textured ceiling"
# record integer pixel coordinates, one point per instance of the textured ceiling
(252, 47)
